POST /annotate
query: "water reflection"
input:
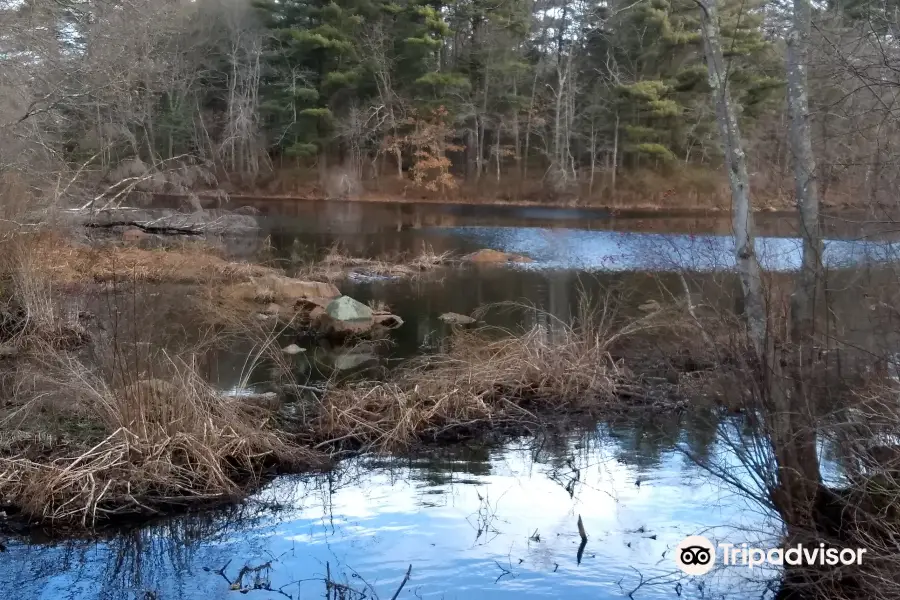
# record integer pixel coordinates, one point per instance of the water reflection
(363, 218)
(663, 244)
(474, 522)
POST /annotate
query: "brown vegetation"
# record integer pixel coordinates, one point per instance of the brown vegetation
(98, 424)
(690, 188)
(130, 445)
(492, 379)
(337, 264)
(61, 260)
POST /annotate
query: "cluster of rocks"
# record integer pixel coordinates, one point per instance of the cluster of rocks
(315, 304)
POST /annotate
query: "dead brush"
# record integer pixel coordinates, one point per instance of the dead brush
(337, 264)
(62, 261)
(164, 442)
(39, 314)
(485, 377)
(427, 259)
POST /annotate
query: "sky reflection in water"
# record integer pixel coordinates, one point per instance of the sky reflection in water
(384, 515)
(614, 250)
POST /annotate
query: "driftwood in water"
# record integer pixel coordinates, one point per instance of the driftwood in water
(167, 222)
(156, 229)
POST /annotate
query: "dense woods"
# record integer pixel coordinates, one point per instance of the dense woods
(566, 95)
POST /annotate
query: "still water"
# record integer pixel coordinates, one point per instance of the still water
(473, 522)
(585, 240)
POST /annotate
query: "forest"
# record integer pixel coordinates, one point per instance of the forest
(493, 99)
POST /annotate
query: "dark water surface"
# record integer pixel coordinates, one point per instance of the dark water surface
(473, 521)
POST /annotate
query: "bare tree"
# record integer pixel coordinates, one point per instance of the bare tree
(388, 114)
(805, 184)
(240, 148)
(788, 419)
(736, 165)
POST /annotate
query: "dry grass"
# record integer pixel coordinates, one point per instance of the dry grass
(123, 428)
(43, 317)
(34, 311)
(338, 264)
(164, 441)
(483, 379)
(62, 261)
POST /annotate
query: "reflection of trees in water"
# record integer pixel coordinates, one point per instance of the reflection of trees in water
(167, 556)
(132, 563)
(645, 442)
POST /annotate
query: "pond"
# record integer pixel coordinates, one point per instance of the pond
(474, 521)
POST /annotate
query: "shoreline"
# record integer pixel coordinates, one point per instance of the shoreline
(607, 210)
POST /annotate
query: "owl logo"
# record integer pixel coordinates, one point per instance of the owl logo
(695, 555)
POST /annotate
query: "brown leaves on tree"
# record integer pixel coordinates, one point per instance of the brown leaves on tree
(429, 140)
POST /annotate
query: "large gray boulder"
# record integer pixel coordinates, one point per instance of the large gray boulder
(346, 308)
(345, 316)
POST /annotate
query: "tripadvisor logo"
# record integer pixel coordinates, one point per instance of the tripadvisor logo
(696, 555)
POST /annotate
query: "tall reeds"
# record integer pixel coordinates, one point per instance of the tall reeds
(488, 378)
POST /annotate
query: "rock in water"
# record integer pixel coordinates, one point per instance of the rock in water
(267, 400)
(292, 349)
(495, 257)
(456, 319)
(388, 321)
(346, 362)
(345, 316)
(346, 308)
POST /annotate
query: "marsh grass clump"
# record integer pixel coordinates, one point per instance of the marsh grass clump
(337, 264)
(34, 311)
(65, 261)
(132, 444)
(487, 378)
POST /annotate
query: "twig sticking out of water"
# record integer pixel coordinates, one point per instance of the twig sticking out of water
(580, 553)
(504, 573)
(584, 539)
(402, 583)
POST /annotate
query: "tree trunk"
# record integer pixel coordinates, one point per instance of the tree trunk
(593, 159)
(615, 154)
(483, 121)
(807, 285)
(515, 126)
(497, 150)
(736, 164)
(527, 149)
(794, 423)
